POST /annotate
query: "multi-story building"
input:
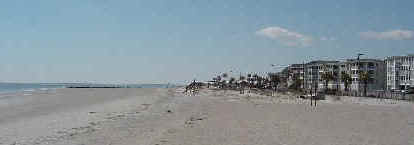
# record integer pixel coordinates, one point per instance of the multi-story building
(375, 69)
(310, 74)
(295, 71)
(313, 74)
(400, 72)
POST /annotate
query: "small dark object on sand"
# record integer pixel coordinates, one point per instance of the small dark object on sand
(169, 111)
(197, 118)
(92, 112)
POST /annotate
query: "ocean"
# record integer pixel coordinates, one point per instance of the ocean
(31, 87)
(26, 87)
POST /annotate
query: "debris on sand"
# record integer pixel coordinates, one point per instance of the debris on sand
(194, 119)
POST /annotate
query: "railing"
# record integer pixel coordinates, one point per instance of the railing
(380, 95)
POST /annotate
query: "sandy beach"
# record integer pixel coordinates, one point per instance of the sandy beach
(167, 116)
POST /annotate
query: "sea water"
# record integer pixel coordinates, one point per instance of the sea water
(16, 93)
(6, 88)
(27, 87)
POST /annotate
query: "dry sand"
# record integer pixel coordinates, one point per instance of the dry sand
(166, 116)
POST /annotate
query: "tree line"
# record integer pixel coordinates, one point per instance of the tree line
(272, 81)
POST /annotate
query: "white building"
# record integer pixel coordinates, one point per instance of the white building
(314, 70)
(295, 71)
(375, 69)
(399, 72)
(313, 74)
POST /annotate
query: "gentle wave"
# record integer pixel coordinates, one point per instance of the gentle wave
(29, 90)
(25, 88)
(44, 89)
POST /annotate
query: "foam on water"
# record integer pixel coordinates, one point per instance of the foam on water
(25, 89)
(44, 89)
(29, 90)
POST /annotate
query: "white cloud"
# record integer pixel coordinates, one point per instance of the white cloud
(388, 35)
(286, 37)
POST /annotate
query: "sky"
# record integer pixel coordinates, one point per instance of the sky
(165, 41)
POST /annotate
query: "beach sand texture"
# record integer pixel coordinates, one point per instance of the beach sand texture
(166, 116)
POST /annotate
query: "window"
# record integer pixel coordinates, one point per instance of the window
(371, 64)
(371, 72)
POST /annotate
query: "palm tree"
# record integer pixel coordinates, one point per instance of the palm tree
(218, 81)
(259, 81)
(224, 75)
(326, 77)
(335, 77)
(346, 78)
(214, 79)
(296, 82)
(231, 81)
(365, 77)
(268, 83)
(223, 85)
(274, 81)
(242, 78)
(255, 79)
(249, 75)
(242, 83)
(250, 81)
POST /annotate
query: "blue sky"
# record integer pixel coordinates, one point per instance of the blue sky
(159, 41)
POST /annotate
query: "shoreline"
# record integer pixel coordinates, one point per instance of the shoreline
(42, 115)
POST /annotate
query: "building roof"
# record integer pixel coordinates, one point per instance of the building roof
(400, 57)
(321, 62)
(296, 65)
(364, 60)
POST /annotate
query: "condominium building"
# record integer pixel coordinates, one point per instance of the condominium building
(295, 71)
(399, 72)
(310, 74)
(313, 74)
(375, 69)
